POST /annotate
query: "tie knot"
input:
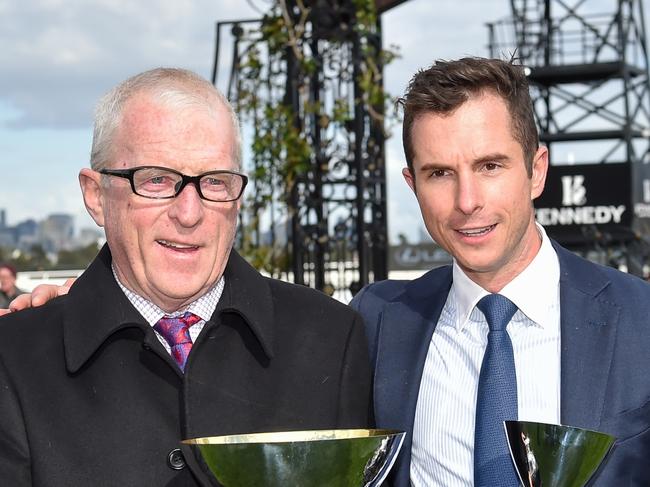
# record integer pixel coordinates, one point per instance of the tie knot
(175, 329)
(176, 332)
(498, 311)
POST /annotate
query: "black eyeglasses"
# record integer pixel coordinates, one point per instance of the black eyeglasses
(163, 183)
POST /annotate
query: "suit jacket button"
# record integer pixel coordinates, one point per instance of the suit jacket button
(175, 459)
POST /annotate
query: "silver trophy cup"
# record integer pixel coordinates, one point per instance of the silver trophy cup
(551, 455)
(321, 458)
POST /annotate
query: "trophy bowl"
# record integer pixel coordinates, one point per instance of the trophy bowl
(319, 458)
(552, 455)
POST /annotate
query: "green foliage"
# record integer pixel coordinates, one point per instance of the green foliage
(78, 258)
(281, 150)
(34, 260)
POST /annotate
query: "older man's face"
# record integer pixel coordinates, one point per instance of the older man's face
(169, 251)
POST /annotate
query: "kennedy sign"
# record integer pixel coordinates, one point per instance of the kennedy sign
(584, 197)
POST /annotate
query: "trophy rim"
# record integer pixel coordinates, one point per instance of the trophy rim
(572, 428)
(292, 436)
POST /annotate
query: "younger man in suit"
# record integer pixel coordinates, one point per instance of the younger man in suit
(568, 341)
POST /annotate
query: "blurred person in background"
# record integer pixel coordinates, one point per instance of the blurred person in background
(8, 289)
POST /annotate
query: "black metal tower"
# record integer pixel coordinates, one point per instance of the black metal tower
(335, 210)
(590, 84)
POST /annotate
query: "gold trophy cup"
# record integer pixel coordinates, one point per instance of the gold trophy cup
(320, 458)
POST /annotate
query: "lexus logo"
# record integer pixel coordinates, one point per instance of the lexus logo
(574, 192)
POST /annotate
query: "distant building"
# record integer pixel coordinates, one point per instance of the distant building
(57, 232)
(26, 234)
(7, 237)
(89, 236)
(53, 234)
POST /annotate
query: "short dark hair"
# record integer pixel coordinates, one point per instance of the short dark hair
(9, 267)
(446, 85)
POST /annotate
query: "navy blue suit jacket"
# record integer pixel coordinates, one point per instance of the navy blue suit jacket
(605, 360)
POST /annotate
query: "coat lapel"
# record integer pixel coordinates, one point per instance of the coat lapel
(407, 325)
(588, 328)
(96, 294)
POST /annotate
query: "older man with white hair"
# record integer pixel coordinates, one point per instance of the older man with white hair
(169, 334)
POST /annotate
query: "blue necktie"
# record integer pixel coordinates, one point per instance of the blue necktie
(497, 398)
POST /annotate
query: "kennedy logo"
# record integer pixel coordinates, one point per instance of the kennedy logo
(574, 192)
(574, 210)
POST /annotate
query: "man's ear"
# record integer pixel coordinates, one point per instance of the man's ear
(539, 170)
(409, 178)
(90, 182)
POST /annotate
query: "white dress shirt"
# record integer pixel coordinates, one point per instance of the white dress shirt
(203, 307)
(443, 433)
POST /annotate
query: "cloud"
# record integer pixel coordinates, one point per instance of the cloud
(59, 56)
(64, 54)
(427, 30)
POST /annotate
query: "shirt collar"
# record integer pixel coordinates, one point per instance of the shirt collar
(247, 297)
(534, 290)
(203, 307)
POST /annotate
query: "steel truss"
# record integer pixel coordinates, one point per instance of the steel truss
(589, 82)
(335, 212)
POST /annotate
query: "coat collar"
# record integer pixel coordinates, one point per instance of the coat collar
(96, 308)
(248, 294)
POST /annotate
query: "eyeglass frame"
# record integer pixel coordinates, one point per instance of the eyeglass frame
(185, 180)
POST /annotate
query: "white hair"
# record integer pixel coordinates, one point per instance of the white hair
(176, 88)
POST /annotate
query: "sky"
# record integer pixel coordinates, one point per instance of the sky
(57, 57)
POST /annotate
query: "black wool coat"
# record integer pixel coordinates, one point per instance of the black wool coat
(89, 396)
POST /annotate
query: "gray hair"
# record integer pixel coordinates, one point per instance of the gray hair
(178, 88)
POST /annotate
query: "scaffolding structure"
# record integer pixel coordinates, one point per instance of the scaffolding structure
(589, 79)
(335, 211)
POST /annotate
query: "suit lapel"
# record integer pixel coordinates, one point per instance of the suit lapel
(588, 328)
(407, 325)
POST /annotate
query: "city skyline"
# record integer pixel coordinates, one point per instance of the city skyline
(52, 233)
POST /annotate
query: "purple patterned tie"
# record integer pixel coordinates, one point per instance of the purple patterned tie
(176, 332)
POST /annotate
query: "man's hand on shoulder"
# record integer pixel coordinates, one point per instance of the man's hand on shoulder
(39, 296)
